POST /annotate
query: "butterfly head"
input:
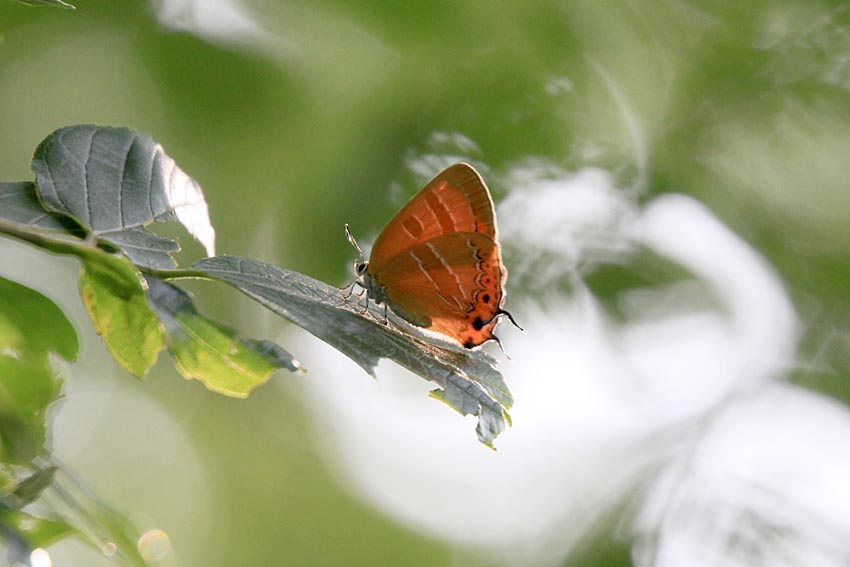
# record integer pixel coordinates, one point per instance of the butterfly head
(361, 270)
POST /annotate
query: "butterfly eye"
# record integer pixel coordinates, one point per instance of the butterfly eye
(361, 267)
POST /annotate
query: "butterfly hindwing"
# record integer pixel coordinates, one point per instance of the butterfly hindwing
(451, 284)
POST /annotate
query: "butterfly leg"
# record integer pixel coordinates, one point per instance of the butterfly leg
(346, 291)
(365, 302)
(501, 348)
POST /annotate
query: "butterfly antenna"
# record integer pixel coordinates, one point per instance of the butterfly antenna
(511, 317)
(353, 241)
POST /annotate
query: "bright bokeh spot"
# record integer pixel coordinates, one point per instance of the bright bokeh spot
(40, 558)
(154, 545)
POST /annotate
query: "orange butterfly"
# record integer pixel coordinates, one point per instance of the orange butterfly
(437, 263)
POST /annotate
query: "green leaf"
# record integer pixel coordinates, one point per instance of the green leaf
(32, 325)
(27, 387)
(114, 182)
(468, 379)
(34, 531)
(31, 487)
(112, 290)
(210, 352)
(57, 3)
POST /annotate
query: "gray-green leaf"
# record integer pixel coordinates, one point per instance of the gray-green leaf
(144, 248)
(19, 204)
(468, 379)
(114, 182)
(31, 487)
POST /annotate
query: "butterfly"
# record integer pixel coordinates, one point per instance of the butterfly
(437, 264)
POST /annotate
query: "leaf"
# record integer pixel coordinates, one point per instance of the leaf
(112, 291)
(31, 487)
(19, 204)
(39, 325)
(468, 379)
(27, 387)
(34, 531)
(31, 327)
(57, 3)
(115, 182)
(210, 352)
(143, 247)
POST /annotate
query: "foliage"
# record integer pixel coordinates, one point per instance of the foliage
(97, 190)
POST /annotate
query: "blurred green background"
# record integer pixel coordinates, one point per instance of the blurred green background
(299, 117)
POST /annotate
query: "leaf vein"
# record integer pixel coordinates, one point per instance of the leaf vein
(86, 188)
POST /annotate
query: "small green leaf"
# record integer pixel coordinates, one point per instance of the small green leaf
(26, 389)
(31, 487)
(112, 291)
(468, 379)
(210, 352)
(32, 325)
(35, 531)
(114, 182)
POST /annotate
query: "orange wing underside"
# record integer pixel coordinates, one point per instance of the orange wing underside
(452, 284)
(456, 200)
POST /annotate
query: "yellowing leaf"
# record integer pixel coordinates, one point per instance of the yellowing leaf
(113, 294)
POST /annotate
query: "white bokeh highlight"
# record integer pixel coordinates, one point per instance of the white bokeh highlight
(766, 485)
(220, 21)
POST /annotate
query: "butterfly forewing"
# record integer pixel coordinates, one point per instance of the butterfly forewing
(456, 200)
(451, 284)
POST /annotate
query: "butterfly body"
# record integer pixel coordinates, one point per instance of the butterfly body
(437, 263)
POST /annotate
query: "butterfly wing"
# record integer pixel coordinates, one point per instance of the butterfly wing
(452, 284)
(456, 200)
